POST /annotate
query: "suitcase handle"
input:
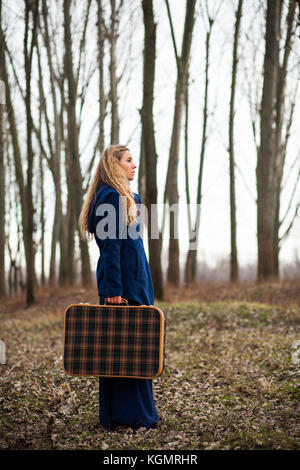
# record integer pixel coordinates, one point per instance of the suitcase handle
(123, 300)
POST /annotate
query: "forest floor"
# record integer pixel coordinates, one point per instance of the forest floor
(229, 382)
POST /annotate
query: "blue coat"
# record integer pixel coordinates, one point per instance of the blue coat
(122, 268)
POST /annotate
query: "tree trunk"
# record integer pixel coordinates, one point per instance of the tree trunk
(190, 263)
(68, 219)
(171, 191)
(102, 100)
(64, 260)
(42, 213)
(142, 168)
(279, 146)
(271, 156)
(234, 269)
(191, 260)
(58, 233)
(76, 187)
(266, 158)
(173, 273)
(30, 254)
(149, 148)
(113, 76)
(14, 140)
(2, 190)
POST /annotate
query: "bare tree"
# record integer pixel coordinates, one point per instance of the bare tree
(64, 225)
(271, 156)
(15, 273)
(32, 8)
(75, 186)
(281, 141)
(102, 98)
(113, 36)
(54, 155)
(234, 257)
(190, 265)
(2, 185)
(42, 219)
(148, 144)
(2, 205)
(20, 195)
(171, 190)
(142, 171)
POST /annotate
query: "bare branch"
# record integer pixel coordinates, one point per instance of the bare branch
(82, 41)
(14, 71)
(291, 199)
(89, 170)
(173, 36)
(284, 236)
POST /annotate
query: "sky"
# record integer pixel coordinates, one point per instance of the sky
(214, 230)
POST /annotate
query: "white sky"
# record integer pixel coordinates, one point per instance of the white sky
(214, 233)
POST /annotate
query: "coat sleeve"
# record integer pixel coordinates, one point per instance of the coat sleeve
(112, 253)
(137, 197)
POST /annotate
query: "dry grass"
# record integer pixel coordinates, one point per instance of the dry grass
(284, 293)
(227, 382)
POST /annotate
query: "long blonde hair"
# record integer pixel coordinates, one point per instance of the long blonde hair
(110, 172)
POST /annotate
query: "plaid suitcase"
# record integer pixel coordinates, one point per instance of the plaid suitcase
(114, 340)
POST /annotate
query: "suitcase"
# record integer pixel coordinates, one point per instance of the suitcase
(114, 340)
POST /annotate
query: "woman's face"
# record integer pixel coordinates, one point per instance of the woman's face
(128, 165)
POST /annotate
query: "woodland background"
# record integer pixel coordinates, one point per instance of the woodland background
(206, 96)
(68, 73)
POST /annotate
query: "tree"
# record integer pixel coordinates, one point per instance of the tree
(190, 265)
(2, 183)
(28, 54)
(102, 98)
(113, 35)
(271, 154)
(20, 180)
(149, 147)
(171, 190)
(75, 183)
(234, 257)
(53, 156)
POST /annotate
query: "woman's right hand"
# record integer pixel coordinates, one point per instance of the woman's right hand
(115, 300)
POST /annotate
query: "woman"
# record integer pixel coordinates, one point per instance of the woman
(122, 271)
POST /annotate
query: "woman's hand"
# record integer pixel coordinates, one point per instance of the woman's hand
(115, 300)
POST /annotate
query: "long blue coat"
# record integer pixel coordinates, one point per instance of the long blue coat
(123, 270)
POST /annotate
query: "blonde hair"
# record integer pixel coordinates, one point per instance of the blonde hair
(110, 172)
